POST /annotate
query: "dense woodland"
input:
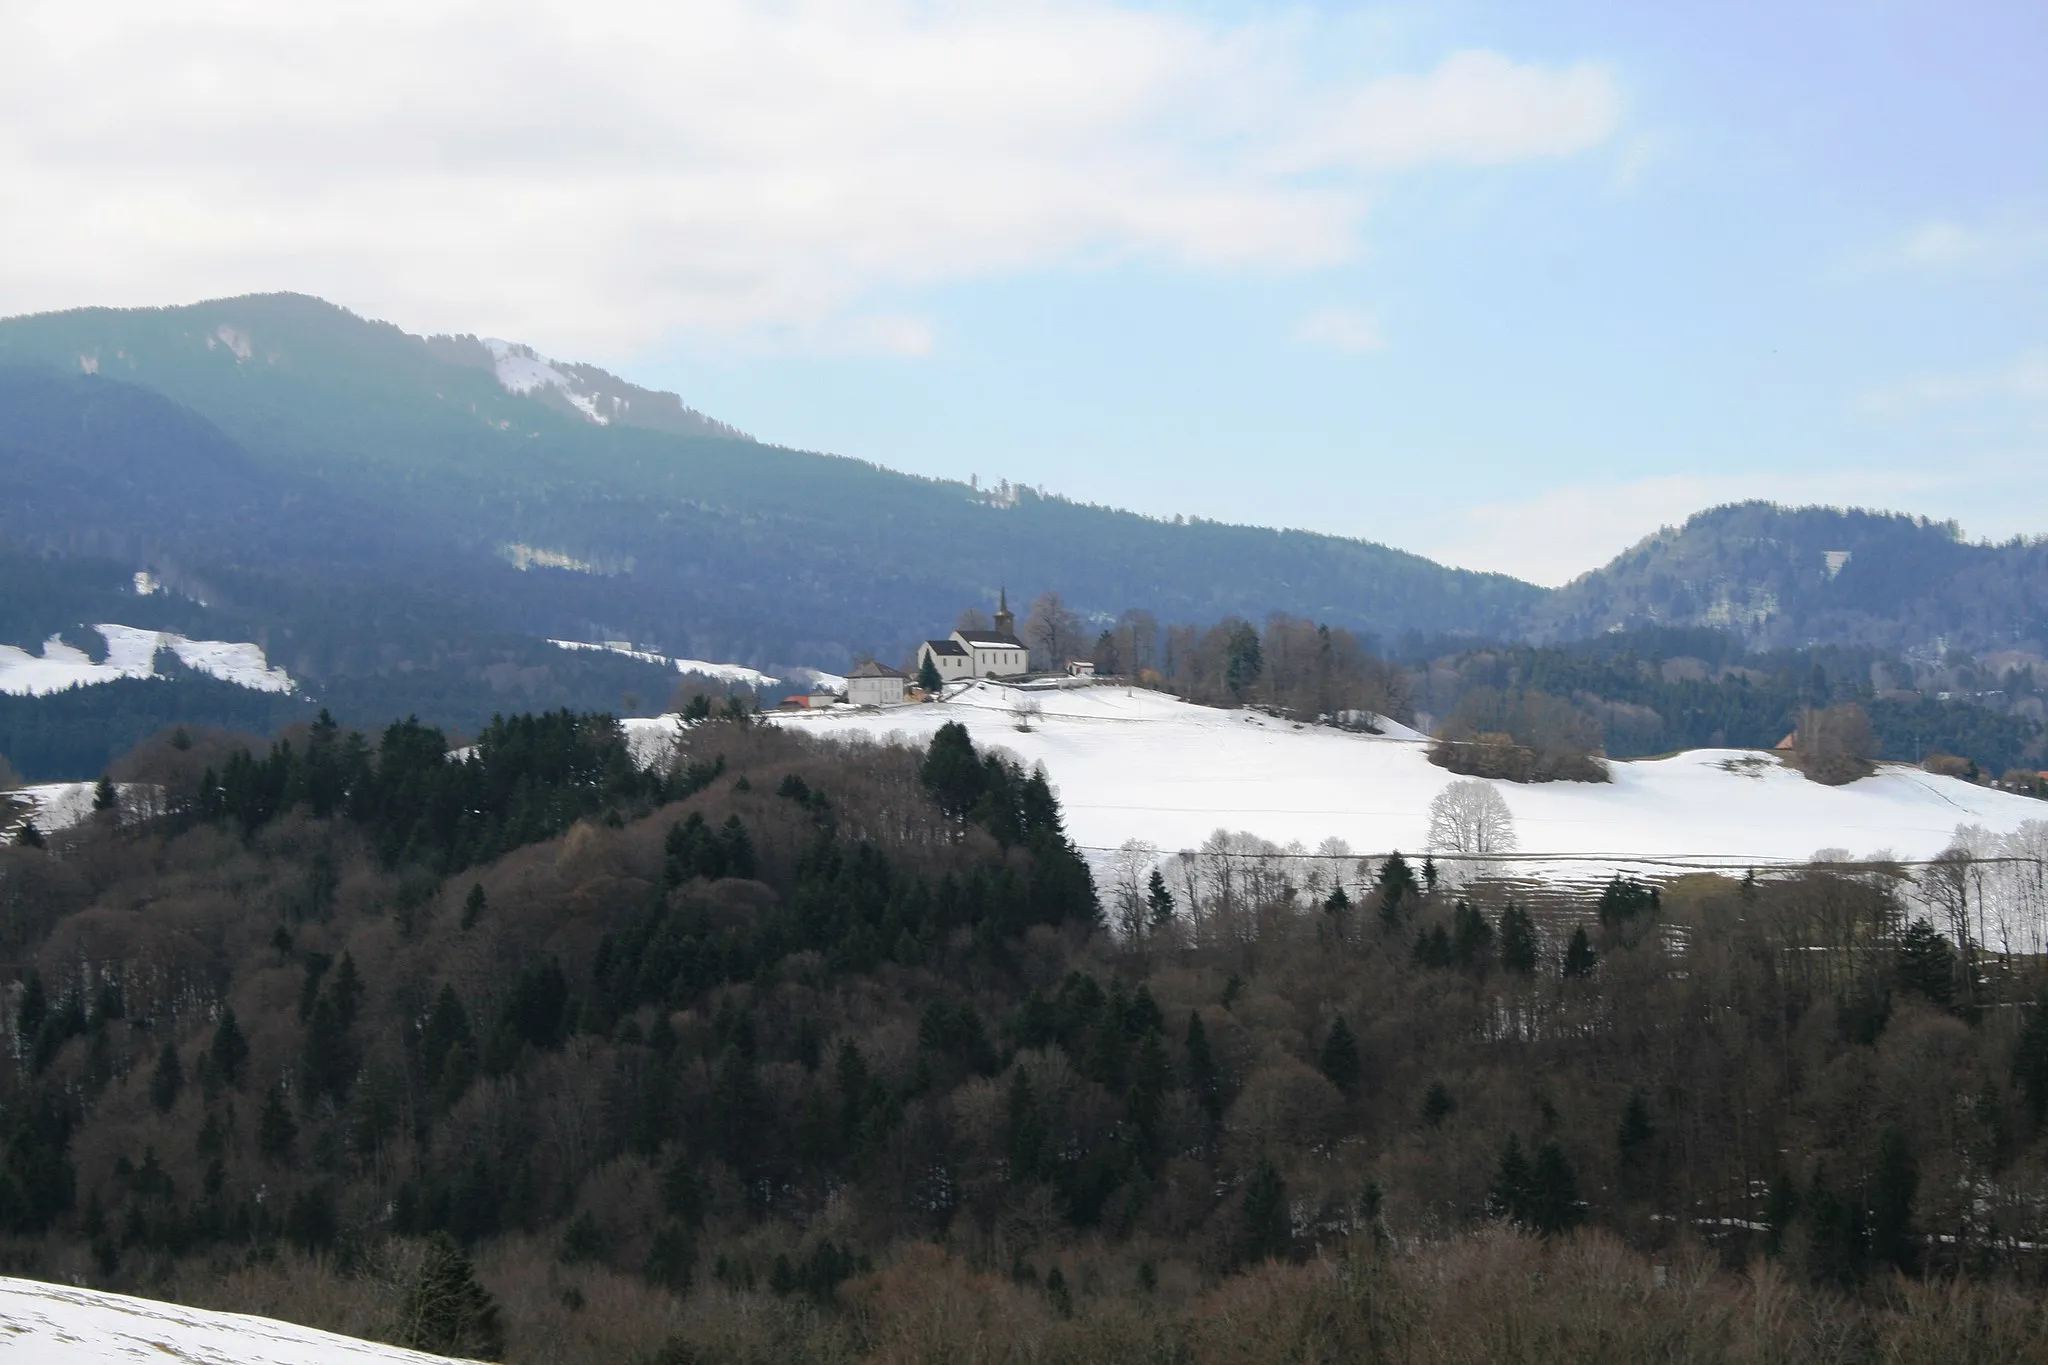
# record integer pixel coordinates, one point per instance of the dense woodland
(794, 1052)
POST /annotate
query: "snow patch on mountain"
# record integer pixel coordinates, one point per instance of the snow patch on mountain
(131, 653)
(522, 370)
(54, 1324)
(726, 673)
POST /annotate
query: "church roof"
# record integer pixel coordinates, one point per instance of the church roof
(990, 638)
(946, 646)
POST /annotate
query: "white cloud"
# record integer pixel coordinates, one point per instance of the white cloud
(1341, 329)
(601, 175)
(1944, 246)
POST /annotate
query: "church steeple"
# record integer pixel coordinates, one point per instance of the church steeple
(1006, 622)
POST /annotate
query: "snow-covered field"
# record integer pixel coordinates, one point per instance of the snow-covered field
(1131, 764)
(131, 653)
(54, 1324)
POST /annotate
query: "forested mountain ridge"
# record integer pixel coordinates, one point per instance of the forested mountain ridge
(1782, 577)
(706, 545)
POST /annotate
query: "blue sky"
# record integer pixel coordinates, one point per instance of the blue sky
(1503, 284)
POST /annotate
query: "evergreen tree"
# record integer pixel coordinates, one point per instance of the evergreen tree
(1057, 1293)
(1158, 900)
(1396, 887)
(1927, 963)
(1554, 1205)
(34, 1006)
(2030, 1062)
(1026, 1129)
(1579, 957)
(1632, 1136)
(328, 1058)
(276, 1130)
(229, 1049)
(1781, 1205)
(167, 1080)
(1891, 1201)
(104, 795)
(1339, 1060)
(1437, 1104)
(28, 836)
(1513, 1186)
(1838, 1238)
(952, 772)
(474, 905)
(1268, 1232)
(737, 848)
(346, 990)
(445, 1310)
(1517, 940)
(1204, 1083)
(1432, 948)
(1626, 900)
(1337, 904)
(928, 679)
(1471, 935)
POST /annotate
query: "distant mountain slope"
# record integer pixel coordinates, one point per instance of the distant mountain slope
(677, 532)
(1814, 575)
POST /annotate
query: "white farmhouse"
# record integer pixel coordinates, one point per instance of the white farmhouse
(873, 684)
(994, 653)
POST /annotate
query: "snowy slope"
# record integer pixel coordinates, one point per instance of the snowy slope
(53, 1324)
(1131, 764)
(131, 653)
(598, 396)
(730, 673)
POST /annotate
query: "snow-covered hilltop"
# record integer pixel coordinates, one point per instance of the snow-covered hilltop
(54, 1324)
(132, 653)
(1133, 764)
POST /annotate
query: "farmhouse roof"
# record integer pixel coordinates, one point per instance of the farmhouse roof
(871, 669)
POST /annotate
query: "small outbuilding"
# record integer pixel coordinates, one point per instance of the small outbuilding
(873, 684)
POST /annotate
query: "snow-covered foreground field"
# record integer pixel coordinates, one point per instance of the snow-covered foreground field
(131, 653)
(1131, 764)
(54, 1324)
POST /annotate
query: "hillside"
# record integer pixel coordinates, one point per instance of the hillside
(1131, 764)
(1791, 577)
(791, 1050)
(633, 517)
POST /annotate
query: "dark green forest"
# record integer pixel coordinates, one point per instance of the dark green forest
(1722, 696)
(786, 1051)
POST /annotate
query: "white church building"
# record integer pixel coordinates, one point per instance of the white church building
(994, 653)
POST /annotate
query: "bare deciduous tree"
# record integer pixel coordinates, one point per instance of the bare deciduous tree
(1129, 874)
(1471, 818)
(1052, 631)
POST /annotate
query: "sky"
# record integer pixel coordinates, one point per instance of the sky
(1508, 285)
